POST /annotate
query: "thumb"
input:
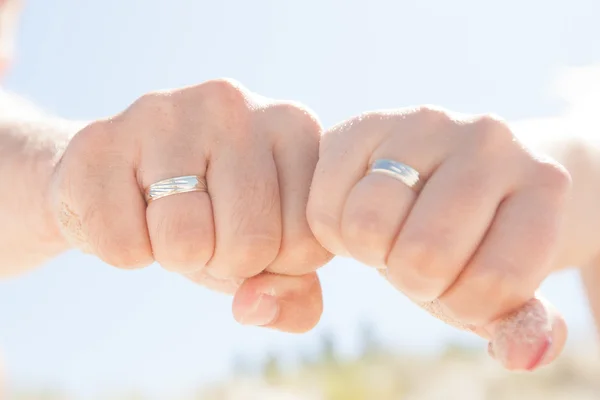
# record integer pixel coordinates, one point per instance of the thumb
(528, 338)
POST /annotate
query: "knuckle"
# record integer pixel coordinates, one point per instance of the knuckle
(553, 176)
(93, 139)
(490, 134)
(223, 93)
(292, 125)
(228, 105)
(305, 254)
(366, 123)
(432, 115)
(160, 104)
(158, 108)
(347, 138)
(296, 115)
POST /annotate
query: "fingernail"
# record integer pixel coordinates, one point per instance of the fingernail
(263, 312)
(540, 357)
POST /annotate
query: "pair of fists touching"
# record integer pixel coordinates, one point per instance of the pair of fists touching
(249, 196)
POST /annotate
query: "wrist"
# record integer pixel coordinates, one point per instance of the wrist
(35, 182)
(49, 232)
(31, 234)
(45, 164)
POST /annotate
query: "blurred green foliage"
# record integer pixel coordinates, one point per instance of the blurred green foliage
(377, 373)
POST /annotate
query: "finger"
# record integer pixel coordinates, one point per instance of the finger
(372, 216)
(529, 338)
(101, 209)
(513, 259)
(242, 181)
(345, 154)
(295, 154)
(181, 226)
(445, 226)
(343, 160)
(287, 303)
(377, 206)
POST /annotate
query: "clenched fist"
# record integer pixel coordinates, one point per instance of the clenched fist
(252, 160)
(456, 213)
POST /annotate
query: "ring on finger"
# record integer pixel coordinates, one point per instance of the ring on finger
(176, 185)
(397, 170)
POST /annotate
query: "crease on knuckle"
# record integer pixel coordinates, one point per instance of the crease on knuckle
(257, 232)
(257, 200)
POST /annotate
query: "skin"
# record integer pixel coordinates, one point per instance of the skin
(493, 220)
(474, 244)
(257, 157)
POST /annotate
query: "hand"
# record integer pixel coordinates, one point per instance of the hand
(473, 245)
(257, 158)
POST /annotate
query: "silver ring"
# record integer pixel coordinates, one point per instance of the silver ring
(397, 170)
(177, 185)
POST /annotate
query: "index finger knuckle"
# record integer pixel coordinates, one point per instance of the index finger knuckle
(489, 135)
(301, 255)
(553, 176)
(295, 118)
(431, 116)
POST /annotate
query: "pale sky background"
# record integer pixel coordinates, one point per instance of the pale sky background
(83, 326)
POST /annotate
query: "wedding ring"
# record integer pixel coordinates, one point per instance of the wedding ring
(177, 185)
(397, 170)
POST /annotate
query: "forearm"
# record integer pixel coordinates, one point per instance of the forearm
(30, 146)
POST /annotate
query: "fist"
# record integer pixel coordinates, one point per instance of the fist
(245, 232)
(470, 242)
